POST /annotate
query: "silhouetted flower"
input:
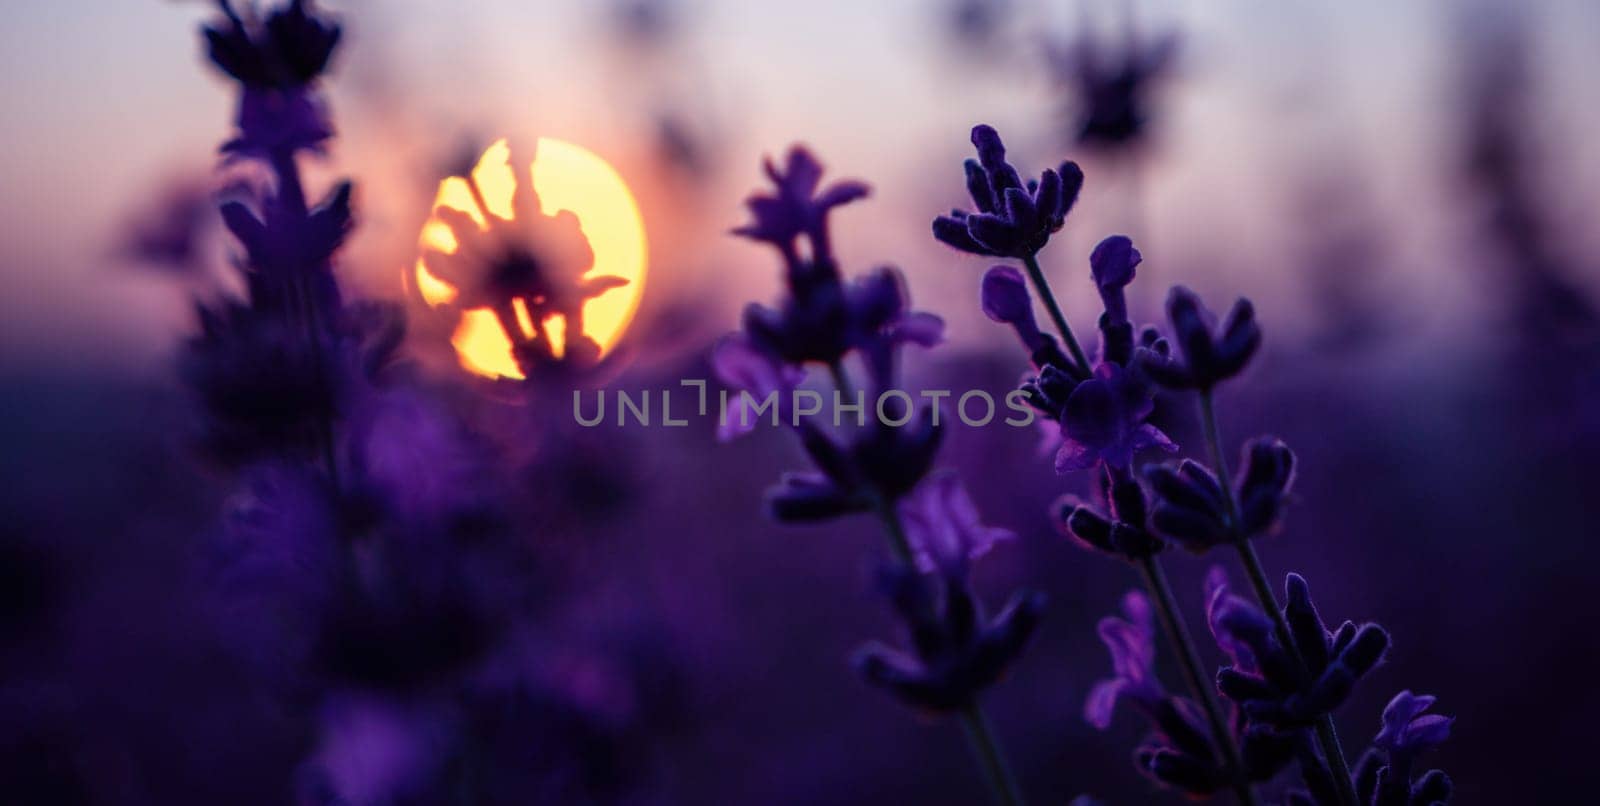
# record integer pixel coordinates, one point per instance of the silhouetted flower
(1012, 219)
(277, 61)
(530, 260)
(1191, 505)
(1112, 88)
(1207, 359)
(955, 654)
(943, 526)
(1265, 679)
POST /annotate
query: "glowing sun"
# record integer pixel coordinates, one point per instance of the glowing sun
(521, 278)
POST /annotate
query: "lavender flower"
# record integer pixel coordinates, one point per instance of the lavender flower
(1005, 299)
(1178, 752)
(278, 61)
(755, 376)
(943, 528)
(1266, 680)
(1123, 531)
(1192, 506)
(1102, 418)
(1112, 88)
(1207, 359)
(1012, 219)
(931, 523)
(822, 318)
(878, 465)
(796, 209)
(1131, 642)
(1383, 776)
(956, 653)
(1112, 266)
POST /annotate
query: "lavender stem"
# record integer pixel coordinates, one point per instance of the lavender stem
(981, 736)
(1327, 735)
(1042, 288)
(1155, 579)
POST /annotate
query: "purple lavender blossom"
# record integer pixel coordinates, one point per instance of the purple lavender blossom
(1112, 266)
(1122, 532)
(796, 209)
(1383, 775)
(956, 653)
(1265, 678)
(943, 526)
(1192, 507)
(878, 465)
(1407, 732)
(1012, 219)
(1131, 642)
(822, 318)
(1005, 300)
(1103, 420)
(744, 369)
(1207, 359)
(1178, 753)
(278, 61)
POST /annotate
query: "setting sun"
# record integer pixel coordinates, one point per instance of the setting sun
(565, 178)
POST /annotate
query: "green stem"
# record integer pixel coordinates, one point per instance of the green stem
(987, 750)
(1155, 579)
(1042, 288)
(1327, 735)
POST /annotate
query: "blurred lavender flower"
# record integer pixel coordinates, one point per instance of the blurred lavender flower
(1207, 359)
(796, 209)
(1111, 85)
(822, 318)
(956, 652)
(745, 369)
(878, 466)
(943, 528)
(1193, 508)
(1012, 219)
(1265, 679)
(278, 61)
